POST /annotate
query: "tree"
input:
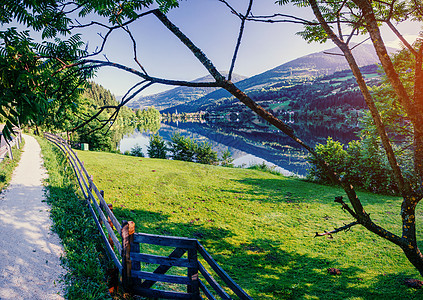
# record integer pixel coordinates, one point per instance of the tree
(182, 148)
(29, 95)
(340, 22)
(40, 82)
(332, 19)
(137, 151)
(157, 147)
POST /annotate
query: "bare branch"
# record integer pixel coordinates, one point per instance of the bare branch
(134, 45)
(345, 206)
(190, 45)
(336, 230)
(94, 116)
(338, 54)
(233, 10)
(110, 30)
(135, 93)
(362, 42)
(289, 19)
(130, 90)
(338, 20)
(238, 43)
(401, 38)
(100, 63)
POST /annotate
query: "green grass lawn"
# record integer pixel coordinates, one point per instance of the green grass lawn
(260, 227)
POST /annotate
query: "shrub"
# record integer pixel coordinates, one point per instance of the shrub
(137, 151)
(186, 149)
(157, 147)
(334, 154)
(182, 148)
(362, 163)
(226, 159)
(204, 154)
(264, 168)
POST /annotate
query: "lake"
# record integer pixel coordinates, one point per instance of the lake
(249, 147)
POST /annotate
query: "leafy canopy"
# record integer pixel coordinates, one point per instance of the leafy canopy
(41, 81)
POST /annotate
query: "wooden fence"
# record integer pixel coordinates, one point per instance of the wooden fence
(6, 146)
(123, 245)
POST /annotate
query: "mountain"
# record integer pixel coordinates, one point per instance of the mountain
(295, 72)
(315, 64)
(179, 95)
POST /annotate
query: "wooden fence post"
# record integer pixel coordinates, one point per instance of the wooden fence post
(193, 287)
(128, 246)
(101, 207)
(135, 248)
(9, 151)
(113, 273)
(90, 187)
(126, 262)
(110, 223)
(108, 217)
(90, 181)
(17, 141)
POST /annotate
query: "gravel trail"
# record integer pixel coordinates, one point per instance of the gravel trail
(29, 251)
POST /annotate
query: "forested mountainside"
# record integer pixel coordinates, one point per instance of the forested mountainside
(294, 73)
(327, 98)
(179, 95)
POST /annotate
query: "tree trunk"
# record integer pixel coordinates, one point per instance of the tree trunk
(408, 241)
(409, 245)
(418, 152)
(418, 101)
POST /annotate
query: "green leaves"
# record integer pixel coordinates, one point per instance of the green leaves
(119, 12)
(35, 88)
(186, 149)
(313, 34)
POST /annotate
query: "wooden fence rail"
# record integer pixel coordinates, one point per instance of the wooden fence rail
(6, 146)
(189, 260)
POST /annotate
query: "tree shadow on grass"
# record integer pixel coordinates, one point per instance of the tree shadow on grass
(267, 270)
(159, 223)
(297, 191)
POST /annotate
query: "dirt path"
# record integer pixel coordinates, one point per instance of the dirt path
(29, 250)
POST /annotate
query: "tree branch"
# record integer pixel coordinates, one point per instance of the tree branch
(290, 19)
(101, 63)
(401, 37)
(190, 45)
(134, 45)
(336, 230)
(95, 116)
(238, 43)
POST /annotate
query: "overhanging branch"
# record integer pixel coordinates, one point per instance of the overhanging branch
(101, 63)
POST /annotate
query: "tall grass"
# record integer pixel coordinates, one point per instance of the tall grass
(260, 227)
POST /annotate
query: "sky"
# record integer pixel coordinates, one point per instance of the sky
(214, 29)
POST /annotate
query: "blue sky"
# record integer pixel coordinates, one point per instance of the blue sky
(212, 27)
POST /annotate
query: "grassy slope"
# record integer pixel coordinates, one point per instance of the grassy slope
(260, 226)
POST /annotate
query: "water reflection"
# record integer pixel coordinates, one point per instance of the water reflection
(249, 146)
